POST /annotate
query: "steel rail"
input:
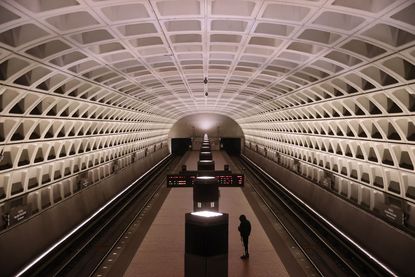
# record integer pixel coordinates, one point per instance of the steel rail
(330, 228)
(88, 222)
(122, 234)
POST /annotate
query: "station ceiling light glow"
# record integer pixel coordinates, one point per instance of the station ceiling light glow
(206, 214)
(205, 177)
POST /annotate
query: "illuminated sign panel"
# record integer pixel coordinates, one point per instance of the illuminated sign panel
(180, 180)
(231, 180)
(187, 180)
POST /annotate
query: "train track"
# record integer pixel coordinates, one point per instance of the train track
(83, 252)
(326, 250)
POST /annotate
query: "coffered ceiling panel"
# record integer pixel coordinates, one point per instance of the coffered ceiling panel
(289, 72)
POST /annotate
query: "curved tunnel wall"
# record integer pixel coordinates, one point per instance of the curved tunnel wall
(215, 125)
(51, 145)
(367, 153)
(354, 142)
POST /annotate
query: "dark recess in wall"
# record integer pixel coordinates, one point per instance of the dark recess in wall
(180, 145)
(231, 145)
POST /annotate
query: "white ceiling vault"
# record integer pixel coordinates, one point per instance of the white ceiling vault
(80, 73)
(253, 53)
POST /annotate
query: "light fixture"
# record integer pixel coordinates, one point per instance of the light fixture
(206, 214)
(205, 177)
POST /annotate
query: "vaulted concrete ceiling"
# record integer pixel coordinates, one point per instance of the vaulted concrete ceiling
(72, 72)
(255, 54)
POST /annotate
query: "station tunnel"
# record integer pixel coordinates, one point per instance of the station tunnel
(317, 97)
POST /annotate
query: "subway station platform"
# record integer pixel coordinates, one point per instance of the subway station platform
(161, 250)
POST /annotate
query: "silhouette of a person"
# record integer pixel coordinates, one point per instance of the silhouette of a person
(245, 230)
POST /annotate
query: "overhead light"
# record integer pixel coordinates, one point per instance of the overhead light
(205, 177)
(206, 214)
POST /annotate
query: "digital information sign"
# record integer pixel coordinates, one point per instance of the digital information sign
(231, 180)
(187, 180)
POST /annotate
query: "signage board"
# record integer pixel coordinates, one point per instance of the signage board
(18, 214)
(187, 180)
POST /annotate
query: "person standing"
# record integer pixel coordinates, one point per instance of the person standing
(244, 229)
